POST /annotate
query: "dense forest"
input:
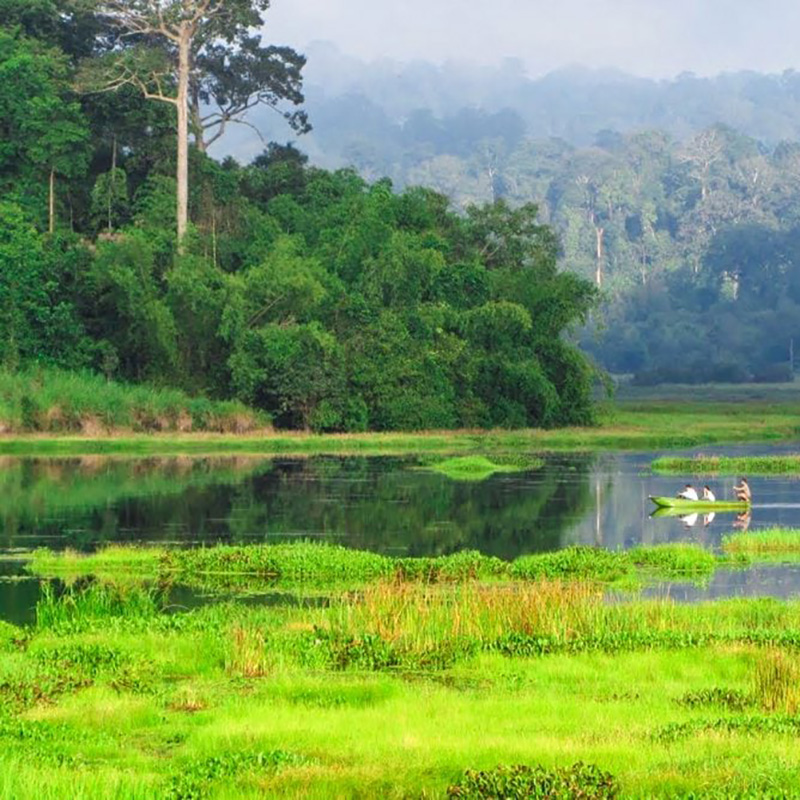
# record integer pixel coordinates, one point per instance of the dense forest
(679, 200)
(329, 301)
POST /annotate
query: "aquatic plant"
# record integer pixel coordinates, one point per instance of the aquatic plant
(727, 465)
(194, 779)
(242, 567)
(479, 467)
(521, 781)
(730, 699)
(768, 544)
(79, 606)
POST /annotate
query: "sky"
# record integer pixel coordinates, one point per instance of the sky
(653, 38)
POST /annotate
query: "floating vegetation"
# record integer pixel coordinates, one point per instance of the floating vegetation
(766, 545)
(478, 468)
(229, 567)
(724, 465)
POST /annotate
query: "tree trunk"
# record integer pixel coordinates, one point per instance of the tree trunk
(113, 179)
(598, 275)
(52, 210)
(183, 133)
(197, 124)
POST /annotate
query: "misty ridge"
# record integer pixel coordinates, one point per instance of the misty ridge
(679, 199)
(393, 106)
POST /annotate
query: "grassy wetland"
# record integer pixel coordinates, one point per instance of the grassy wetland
(396, 677)
(314, 670)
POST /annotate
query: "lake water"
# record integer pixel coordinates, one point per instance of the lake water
(383, 504)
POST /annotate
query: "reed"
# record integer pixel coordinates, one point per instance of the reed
(764, 545)
(726, 465)
(61, 402)
(642, 425)
(776, 681)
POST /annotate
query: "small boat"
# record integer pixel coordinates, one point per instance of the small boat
(684, 506)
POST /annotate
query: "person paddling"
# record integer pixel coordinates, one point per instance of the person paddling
(708, 495)
(689, 493)
(743, 493)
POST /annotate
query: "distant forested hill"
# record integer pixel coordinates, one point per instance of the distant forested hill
(387, 113)
(679, 199)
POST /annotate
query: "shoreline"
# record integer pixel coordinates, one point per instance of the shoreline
(642, 427)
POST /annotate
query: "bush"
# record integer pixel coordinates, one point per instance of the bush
(521, 781)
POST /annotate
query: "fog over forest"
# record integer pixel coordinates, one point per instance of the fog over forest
(645, 37)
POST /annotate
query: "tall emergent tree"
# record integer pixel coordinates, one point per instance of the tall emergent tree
(177, 52)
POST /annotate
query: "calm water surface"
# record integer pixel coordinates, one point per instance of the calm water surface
(383, 504)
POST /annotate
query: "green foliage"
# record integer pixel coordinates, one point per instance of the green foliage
(196, 778)
(329, 303)
(56, 401)
(520, 781)
(726, 465)
(729, 699)
(38, 323)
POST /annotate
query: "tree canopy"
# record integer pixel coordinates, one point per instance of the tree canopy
(331, 301)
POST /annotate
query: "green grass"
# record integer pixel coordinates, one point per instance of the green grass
(322, 566)
(326, 564)
(773, 544)
(724, 465)
(380, 693)
(53, 401)
(642, 426)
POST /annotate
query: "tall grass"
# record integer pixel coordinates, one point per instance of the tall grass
(768, 544)
(57, 401)
(725, 465)
(80, 606)
(776, 682)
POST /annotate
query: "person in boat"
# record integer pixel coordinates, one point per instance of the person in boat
(689, 493)
(708, 495)
(742, 491)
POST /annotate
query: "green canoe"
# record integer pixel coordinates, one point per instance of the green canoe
(679, 503)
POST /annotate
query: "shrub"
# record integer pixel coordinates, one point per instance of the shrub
(521, 781)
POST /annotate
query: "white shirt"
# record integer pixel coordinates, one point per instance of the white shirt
(688, 494)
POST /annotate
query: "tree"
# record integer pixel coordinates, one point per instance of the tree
(43, 129)
(230, 81)
(173, 42)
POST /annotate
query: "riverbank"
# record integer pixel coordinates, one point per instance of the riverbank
(627, 426)
(49, 402)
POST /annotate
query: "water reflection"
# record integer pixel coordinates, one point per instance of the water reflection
(381, 504)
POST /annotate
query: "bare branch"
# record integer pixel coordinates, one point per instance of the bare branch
(238, 122)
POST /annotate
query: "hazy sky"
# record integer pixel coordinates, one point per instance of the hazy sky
(647, 37)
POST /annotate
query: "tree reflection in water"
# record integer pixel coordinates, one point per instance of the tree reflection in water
(381, 504)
